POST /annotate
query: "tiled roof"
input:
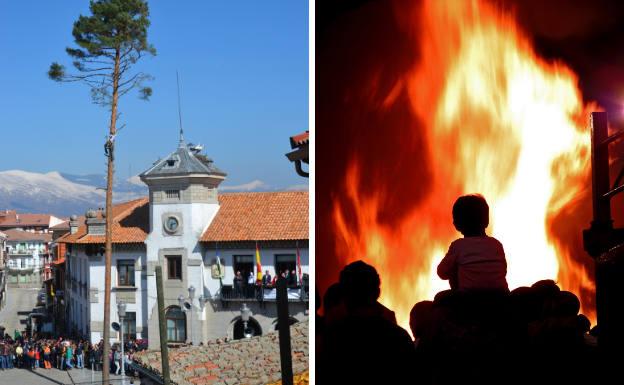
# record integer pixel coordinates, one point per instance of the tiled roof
(14, 235)
(130, 225)
(299, 139)
(260, 216)
(246, 361)
(13, 219)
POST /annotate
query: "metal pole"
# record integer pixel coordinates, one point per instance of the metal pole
(600, 170)
(284, 332)
(123, 370)
(164, 352)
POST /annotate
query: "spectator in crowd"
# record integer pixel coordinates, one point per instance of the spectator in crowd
(46, 357)
(385, 355)
(475, 262)
(79, 356)
(251, 283)
(69, 355)
(238, 284)
(117, 359)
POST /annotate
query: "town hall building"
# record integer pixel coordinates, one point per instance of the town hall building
(201, 238)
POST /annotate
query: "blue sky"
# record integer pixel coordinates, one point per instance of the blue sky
(244, 86)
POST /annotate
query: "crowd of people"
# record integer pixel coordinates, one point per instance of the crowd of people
(64, 354)
(478, 332)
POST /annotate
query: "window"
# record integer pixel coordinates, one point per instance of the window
(172, 162)
(172, 194)
(176, 324)
(174, 266)
(125, 272)
(244, 264)
(129, 326)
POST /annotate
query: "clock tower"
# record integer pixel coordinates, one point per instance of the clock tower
(183, 203)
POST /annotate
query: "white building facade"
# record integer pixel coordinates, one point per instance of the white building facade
(26, 254)
(186, 226)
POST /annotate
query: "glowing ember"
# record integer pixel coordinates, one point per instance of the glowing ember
(499, 121)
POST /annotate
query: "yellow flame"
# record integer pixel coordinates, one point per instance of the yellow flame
(498, 119)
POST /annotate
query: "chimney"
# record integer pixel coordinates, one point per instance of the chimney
(96, 223)
(73, 224)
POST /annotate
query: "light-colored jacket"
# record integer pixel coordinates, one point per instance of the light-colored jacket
(475, 263)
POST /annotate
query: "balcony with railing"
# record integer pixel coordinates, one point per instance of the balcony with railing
(262, 293)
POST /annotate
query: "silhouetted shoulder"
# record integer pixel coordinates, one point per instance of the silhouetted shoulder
(366, 350)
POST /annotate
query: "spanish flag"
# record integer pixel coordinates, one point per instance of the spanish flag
(258, 264)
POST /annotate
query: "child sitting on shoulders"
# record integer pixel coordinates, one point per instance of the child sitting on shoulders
(475, 262)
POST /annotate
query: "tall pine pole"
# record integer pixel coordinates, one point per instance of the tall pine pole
(109, 220)
(110, 42)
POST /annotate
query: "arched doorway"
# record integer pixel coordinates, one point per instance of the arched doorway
(253, 328)
(176, 324)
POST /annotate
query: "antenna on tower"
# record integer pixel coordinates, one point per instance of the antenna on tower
(180, 110)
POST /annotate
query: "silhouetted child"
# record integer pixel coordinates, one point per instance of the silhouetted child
(475, 262)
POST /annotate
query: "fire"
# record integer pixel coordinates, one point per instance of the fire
(499, 121)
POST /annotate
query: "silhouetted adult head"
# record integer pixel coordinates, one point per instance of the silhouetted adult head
(333, 296)
(471, 215)
(525, 304)
(546, 292)
(334, 303)
(420, 317)
(546, 287)
(360, 284)
(566, 304)
(583, 323)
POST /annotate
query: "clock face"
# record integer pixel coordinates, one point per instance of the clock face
(172, 224)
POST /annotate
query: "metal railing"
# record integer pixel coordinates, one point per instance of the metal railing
(265, 293)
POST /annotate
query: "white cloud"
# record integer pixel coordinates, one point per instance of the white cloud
(254, 185)
(298, 187)
(135, 180)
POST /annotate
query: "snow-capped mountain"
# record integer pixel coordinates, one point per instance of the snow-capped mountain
(66, 194)
(59, 194)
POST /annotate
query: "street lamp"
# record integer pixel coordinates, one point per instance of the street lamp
(191, 291)
(121, 311)
(245, 314)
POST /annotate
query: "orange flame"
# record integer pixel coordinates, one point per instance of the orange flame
(499, 121)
